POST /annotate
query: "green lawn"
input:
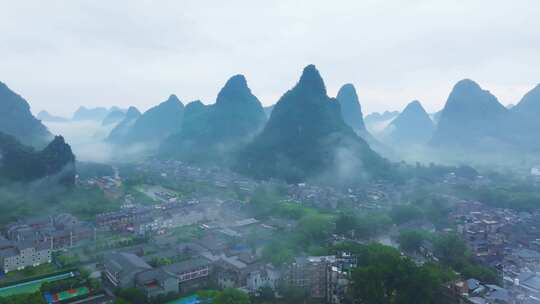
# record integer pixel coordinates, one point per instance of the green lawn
(18, 275)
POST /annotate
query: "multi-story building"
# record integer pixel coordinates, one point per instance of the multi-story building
(324, 278)
(310, 274)
(19, 255)
(61, 231)
(156, 282)
(123, 219)
(263, 276)
(192, 274)
(121, 268)
(127, 270)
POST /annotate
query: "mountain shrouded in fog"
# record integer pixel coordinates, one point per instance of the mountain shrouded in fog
(525, 121)
(351, 110)
(121, 130)
(114, 116)
(471, 116)
(195, 115)
(530, 103)
(22, 163)
(96, 114)
(17, 120)
(306, 137)
(412, 126)
(209, 133)
(155, 124)
(376, 122)
(46, 116)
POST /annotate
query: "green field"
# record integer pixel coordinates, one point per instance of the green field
(31, 286)
(29, 272)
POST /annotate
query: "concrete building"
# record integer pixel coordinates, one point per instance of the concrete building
(60, 231)
(192, 274)
(121, 268)
(264, 276)
(156, 282)
(310, 274)
(19, 255)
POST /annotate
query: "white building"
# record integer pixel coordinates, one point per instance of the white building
(19, 255)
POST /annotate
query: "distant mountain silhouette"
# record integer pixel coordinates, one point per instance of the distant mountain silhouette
(376, 117)
(46, 116)
(377, 122)
(411, 126)
(115, 116)
(195, 115)
(157, 123)
(351, 110)
(22, 163)
(95, 114)
(119, 132)
(211, 133)
(470, 117)
(529, 105)
(17, 120)
(306, 137)
(524, 125)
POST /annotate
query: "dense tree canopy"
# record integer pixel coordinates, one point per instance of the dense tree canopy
(231, 296)
(385, 277)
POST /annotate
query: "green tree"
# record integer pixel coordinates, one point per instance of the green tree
(383, 276)
(315, 227)
(132, 295)
(479, 272)
(207, 296)
(160, 261)
(34, 298)
(371, 224)
(293, 295)
(232, 296)
(266, 295)
(346, 223)
(411, 240)
(403, 214)
(451, 250)
(278, 253)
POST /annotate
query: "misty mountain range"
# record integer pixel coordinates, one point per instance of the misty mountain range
(210, 133)
(306, 134)
(412, 126)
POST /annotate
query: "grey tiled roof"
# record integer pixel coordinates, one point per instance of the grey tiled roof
(156, 274)
(120, 261)
(187, 265)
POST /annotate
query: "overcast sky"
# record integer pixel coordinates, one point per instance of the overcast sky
(62, 54)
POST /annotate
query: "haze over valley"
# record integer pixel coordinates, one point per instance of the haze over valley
(260, 153)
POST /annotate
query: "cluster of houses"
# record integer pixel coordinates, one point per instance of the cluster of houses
(30, 242)
(323, 277)
(369, 197)
(156, 169)
(157, 219)
(110, 185)
(508, 241)
(228, 253)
